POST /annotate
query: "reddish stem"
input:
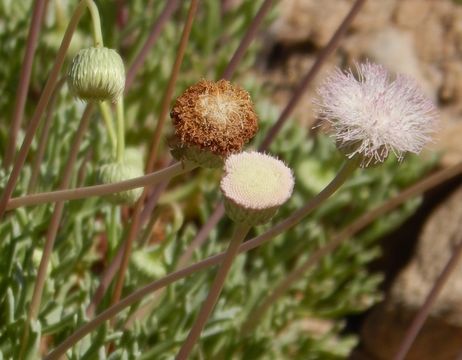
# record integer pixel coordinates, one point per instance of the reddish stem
(24, 79)
(157, 26)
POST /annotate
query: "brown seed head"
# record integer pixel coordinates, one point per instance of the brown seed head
(214, 116)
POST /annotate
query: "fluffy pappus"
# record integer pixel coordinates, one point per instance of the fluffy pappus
(375, 114)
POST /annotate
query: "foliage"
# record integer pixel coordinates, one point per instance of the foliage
(307, 323)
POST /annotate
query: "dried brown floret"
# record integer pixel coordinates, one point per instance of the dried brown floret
(214, 116)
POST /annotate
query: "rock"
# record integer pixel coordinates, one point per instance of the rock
(448, 142)
(384, 329)
(316, 21)
(302, 20)
(410, 14)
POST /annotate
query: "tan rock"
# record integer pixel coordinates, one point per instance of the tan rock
(384, 329)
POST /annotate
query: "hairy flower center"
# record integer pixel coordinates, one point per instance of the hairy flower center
(218, 108)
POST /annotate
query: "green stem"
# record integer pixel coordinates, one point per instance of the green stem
(238, 237)
(96, 23)
(120, 130)
(99, 190)
(109, 122)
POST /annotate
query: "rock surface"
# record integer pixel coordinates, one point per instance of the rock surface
(441, 336)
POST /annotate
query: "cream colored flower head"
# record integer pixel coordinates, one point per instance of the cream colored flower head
(375, 113)
(255, 185)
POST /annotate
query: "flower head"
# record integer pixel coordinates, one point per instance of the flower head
(215, 117)
(255, 185)
(97, 74)
(374, 115)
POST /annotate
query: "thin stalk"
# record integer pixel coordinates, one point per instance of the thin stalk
(24, 79)
(120, 130)
(96, 23)
(171, 84)
(218, 213)
(293, 219)
(343, 236)
(154, 148)
(424, 311)
(41, 106)
(109, 123)
(415, 190)
(239, 235)
(247, 39)
(53, 227)
(157, 26)
(103, 189)
(35, 173)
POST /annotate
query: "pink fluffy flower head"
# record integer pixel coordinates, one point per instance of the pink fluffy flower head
(374, 115)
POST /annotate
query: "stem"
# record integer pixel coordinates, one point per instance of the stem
(239, 234)
(309, 77)
(343, 174)
(42, 104)
(247, 39)
(363, 221)
(120, 130)
(24, 79)
(109, 122)
(96, 23)
(157, 26)
(100, 190)
(171, 85)
(424, 311)
(114, 218)
(53, 227)
(35, 173)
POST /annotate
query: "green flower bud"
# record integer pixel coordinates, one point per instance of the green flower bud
(97, 74)
(115, 172)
